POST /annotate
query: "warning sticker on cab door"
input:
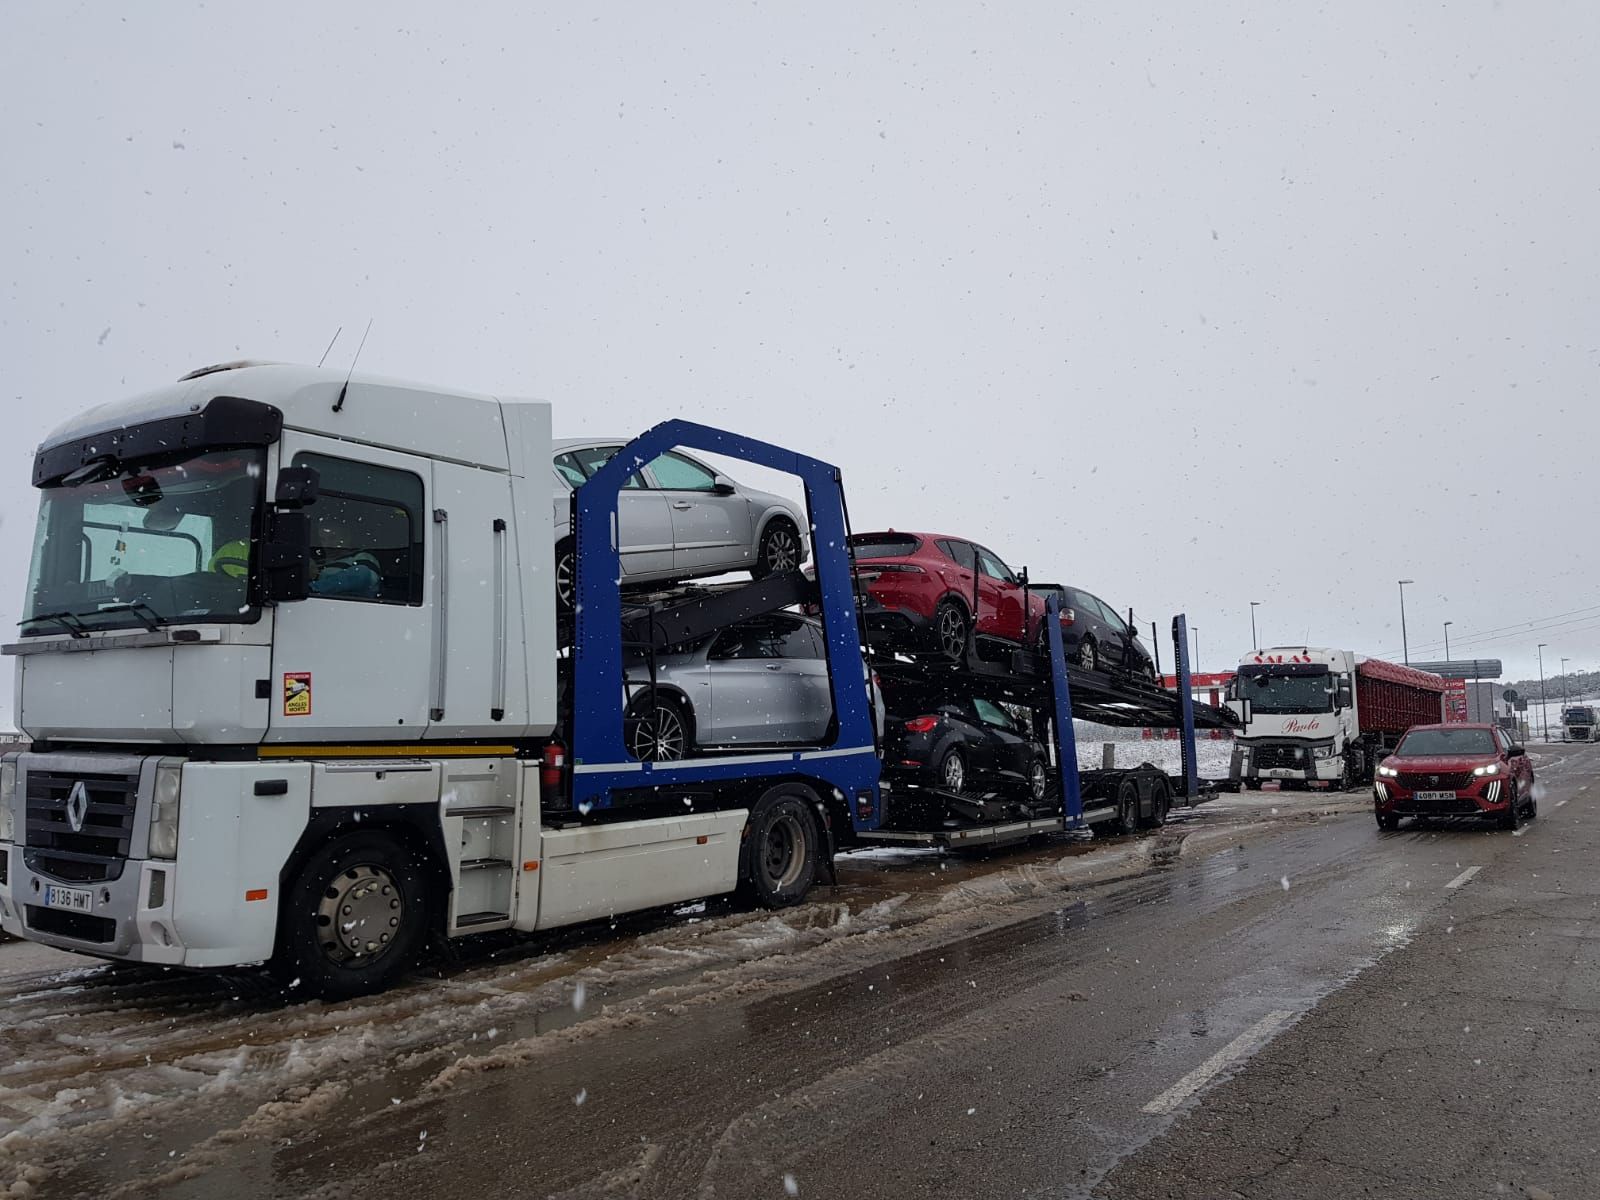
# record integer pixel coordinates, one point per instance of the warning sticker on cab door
(297, 693)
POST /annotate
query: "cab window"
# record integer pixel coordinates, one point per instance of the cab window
(366, 532)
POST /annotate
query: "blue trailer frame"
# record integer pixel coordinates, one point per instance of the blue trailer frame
(601, 764)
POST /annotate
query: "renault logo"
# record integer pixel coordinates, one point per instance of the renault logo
(77, 806)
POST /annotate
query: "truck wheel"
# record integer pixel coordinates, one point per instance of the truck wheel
(1127, 822)
(781, 847)
(1160, 803)
(354, 918)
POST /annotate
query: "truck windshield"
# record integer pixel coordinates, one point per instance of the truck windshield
(1578, 714)
(146, 544)
(1288, 693)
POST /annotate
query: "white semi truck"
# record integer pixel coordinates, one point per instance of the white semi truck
(1319, 715)
(300, 693)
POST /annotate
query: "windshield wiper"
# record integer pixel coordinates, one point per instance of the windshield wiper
(148, 617)
(66, 619)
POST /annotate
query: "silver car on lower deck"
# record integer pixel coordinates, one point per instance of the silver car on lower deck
(762, 682)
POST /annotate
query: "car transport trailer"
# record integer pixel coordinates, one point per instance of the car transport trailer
(1054, 690)
(329, 713)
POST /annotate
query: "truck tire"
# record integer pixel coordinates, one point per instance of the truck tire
(354, 918)
(1127, 822)
(782, 847)
(1160, 803)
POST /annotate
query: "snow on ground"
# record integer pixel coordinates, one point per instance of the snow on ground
(1131, 748)
(164, 1071)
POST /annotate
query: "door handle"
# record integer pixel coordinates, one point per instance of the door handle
(774, 666)
(681, 504)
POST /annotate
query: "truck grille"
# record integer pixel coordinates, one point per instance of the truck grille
(1444, 781)
(98, 849)
(1274, 757)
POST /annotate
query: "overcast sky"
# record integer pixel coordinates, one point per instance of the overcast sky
(1253, 303)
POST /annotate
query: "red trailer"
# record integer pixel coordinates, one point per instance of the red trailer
(1390, 699)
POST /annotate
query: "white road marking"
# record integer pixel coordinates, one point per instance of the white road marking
(1520, 832)
(1242, 1047)
(1559, 803)
(1463, 877)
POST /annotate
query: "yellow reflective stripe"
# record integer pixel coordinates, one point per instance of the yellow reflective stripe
(330, 750)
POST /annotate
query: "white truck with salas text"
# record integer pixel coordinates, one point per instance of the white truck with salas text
(1319, 715)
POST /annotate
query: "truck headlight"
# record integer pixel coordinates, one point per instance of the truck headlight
(1322, 752)
(164, 811)
(8, 801)
(1491, 769)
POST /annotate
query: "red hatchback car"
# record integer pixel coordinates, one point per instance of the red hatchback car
(924, 590)
(1455, 771)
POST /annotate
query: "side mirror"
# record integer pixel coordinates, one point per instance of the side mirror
(286, 557)
(1343, 699)
(297, 487)
(1241, 709)
(721, 486)
(1516, 752)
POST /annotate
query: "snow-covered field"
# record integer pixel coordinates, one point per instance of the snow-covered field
(1131, 748)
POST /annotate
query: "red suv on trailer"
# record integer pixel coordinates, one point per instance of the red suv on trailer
(921, 589)
(1454, 771)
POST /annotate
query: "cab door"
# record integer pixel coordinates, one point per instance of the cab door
(352, 662)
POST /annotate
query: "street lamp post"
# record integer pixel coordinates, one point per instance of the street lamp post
(1255, 642)
(1544, 716)
(1405, 647)
(1563, 698)
(1447, 625)
(1195, 665)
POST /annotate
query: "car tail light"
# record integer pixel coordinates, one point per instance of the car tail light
(1068, 616)
(921, 724)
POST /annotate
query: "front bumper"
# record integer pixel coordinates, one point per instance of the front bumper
(1284, 761)
(1485, 796)
(132, 915)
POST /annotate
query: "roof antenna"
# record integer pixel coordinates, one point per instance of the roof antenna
(338, 405)
(335, 338)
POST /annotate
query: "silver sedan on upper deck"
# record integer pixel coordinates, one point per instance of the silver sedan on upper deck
(678, 519)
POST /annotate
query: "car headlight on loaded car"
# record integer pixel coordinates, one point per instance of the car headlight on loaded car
(1491, 769)
(1387, 772)
(164, 811)
(8, 801)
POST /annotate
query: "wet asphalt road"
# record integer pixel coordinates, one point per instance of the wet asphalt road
(1385, 1034)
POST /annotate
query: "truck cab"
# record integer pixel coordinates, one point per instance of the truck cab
(1303, 724)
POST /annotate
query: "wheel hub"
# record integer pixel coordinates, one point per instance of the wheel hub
(360, 914)
(783, 851)
(783, 550)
